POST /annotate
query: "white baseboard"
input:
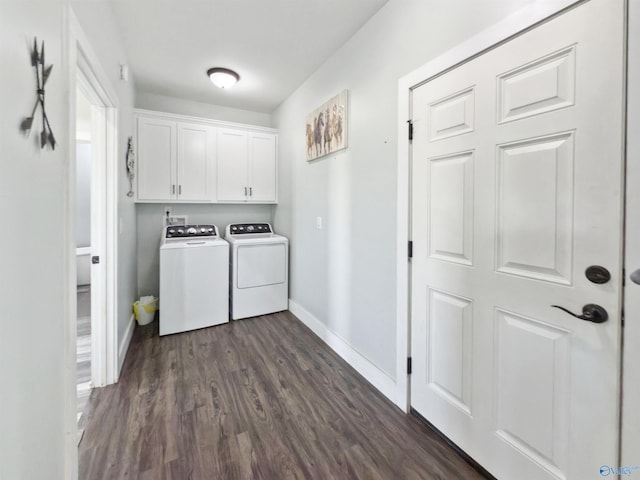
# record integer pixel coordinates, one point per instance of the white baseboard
(124, 343)
(376, 377)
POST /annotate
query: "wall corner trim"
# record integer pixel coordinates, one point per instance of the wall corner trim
(124, 344)
(374, 375)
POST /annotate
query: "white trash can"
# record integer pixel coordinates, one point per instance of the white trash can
(145, 309)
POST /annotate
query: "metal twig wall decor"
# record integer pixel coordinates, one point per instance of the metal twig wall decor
(42, 75)
(131, 163)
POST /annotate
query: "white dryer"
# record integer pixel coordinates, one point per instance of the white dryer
(194, 278)
(259, 273)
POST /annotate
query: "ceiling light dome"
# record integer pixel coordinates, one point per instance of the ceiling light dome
(223, 77)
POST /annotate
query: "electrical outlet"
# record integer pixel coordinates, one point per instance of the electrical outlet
(167, 212)
(319, 223)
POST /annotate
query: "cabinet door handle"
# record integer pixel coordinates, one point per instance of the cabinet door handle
(173, 189)
(179, 189)
(245, 191)
(250, 191)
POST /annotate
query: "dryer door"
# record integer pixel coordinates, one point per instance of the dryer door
(261, 264)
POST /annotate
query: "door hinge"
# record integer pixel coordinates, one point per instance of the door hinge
(410, 122)
(410, 249)
(95, 259)
(408, 365)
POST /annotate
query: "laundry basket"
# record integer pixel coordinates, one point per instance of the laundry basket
(145, 309)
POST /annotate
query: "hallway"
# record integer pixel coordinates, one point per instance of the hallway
(257, 398)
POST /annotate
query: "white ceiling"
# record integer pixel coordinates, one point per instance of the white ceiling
(273, 44)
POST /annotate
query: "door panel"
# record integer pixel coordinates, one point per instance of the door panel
(544, 85)
(516, 190)
(529, 349)
(449, 337)
(450, 208)
(535, 208)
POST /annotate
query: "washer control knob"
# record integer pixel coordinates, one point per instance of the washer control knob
(203, 230)
(172, 231)
(192, 231)
(210, 230)
(240, 228)
(250, 228)
(180, 231)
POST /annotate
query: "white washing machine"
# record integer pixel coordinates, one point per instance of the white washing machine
(194, 278)
(259, 270)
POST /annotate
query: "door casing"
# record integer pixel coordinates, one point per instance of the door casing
(81, 61)
(488, 39)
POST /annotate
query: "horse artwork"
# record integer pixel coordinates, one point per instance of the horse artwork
(317, 133)
(326, 131)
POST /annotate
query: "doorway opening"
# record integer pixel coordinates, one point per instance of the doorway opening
(84, 165)
(87, 81)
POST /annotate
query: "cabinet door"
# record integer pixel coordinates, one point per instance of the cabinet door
(263, 179)
(232, 185)
(156, 159)
(196, 161)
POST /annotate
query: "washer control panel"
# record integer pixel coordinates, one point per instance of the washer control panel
(182, 231)
(249, 228)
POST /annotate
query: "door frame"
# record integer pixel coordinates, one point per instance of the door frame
(81, 61)
(488, 39)
(494, 36)
(630, 417)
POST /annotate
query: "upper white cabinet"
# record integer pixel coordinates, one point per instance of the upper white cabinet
(232, 165)
(204, 161)
(156, 159)
(263, 166)
(196, 162)
(176, 161)
(247, 166)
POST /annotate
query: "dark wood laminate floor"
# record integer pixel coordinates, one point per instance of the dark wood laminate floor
(260, 398)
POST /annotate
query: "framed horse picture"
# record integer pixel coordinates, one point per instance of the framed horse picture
(326, 131)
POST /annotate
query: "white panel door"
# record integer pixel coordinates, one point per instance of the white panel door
(232, 182)
(196, 161)
(156, 159)
(262, 168)
(517, 180)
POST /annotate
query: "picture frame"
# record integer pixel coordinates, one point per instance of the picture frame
(327, 127)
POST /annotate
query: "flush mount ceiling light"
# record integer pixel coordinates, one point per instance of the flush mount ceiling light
(223, 77)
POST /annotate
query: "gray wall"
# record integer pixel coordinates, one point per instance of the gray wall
(150, 221)
(345, 275)
(162, 103)
(33, 392)
(98, 23)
